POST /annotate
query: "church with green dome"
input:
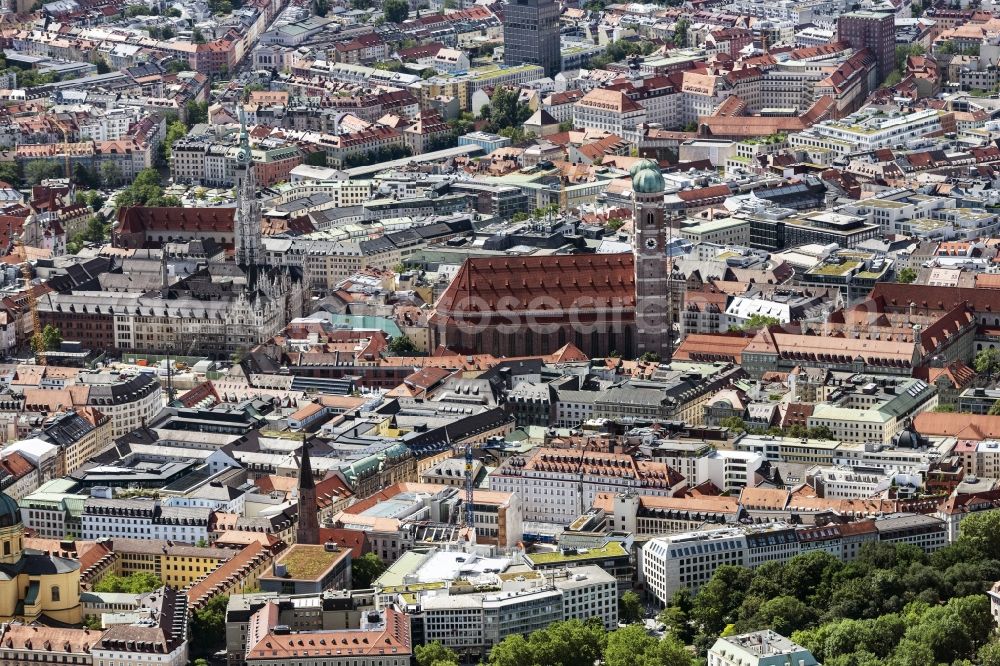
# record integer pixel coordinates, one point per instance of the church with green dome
(594, 303)
(34, 583)
(647, 178)
(652, 281)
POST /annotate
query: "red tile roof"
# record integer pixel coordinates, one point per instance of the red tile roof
(925, 297)
(746, 126)
(391, 640)
(712, 347)
(546, 283)
(705, 193)
(16, 465)
(958, 374)
(974, 427)
(356, 540)
(140, 219)
(218, 581)
(331, 490)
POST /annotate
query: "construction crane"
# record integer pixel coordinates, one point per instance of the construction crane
(582, 470)
(37, 341)
(65, 146)
(171, 388)
(470, 513)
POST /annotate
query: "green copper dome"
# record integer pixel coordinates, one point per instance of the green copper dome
(644, 163)
(646, 177)
(10, 512)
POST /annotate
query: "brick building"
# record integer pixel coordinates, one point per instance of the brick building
(534, 305)
(873, 30)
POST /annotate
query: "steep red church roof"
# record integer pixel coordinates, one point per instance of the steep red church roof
(544, 283)
(139, 219)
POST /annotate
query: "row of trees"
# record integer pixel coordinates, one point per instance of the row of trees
(736, 424)
(537, 214)
(35, 171)
(621, 49)
(893, 605)
(136, 583)
(384, 154)
(108, 174)
(573, 643)
(754, 323)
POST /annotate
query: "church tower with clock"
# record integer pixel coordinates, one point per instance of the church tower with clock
(652, 280)
(246, 221)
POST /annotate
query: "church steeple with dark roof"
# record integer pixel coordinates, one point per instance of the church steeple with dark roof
(307, 530)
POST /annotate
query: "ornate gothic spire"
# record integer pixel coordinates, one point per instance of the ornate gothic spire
(246, 221)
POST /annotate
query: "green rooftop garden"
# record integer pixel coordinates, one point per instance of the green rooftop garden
(836, 269)
(770, 139)
(488, 72)
(414, 587)
(527, 575)
(612, 549)
(307, 562)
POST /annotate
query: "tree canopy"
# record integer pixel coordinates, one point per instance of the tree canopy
(621, 49)
(402, 346)
(569, 643)
(629, 607)
(36, 171)
(365, 570)
(755, 322)
(145, 190)
(434, 654)
(208, 627)
(987, 362)
(395, 11)
(49, 339)
(906, 275)
(894, 604)
(137, 583)
(176, 130)
(573, 642)
(505, 111)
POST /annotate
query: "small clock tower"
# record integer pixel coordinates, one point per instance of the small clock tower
(652, 281)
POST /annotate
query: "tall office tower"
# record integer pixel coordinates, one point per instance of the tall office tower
(531, 34)
(873, 30)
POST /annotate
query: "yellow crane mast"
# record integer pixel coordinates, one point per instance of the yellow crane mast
(37, 341)
(65, 147)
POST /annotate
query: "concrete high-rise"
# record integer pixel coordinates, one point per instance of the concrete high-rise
(531, 34)
(872, 30)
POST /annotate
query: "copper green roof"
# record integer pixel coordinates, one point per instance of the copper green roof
(10, 512)
(646, 177)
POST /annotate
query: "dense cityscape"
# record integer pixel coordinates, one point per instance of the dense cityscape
(500, 333)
